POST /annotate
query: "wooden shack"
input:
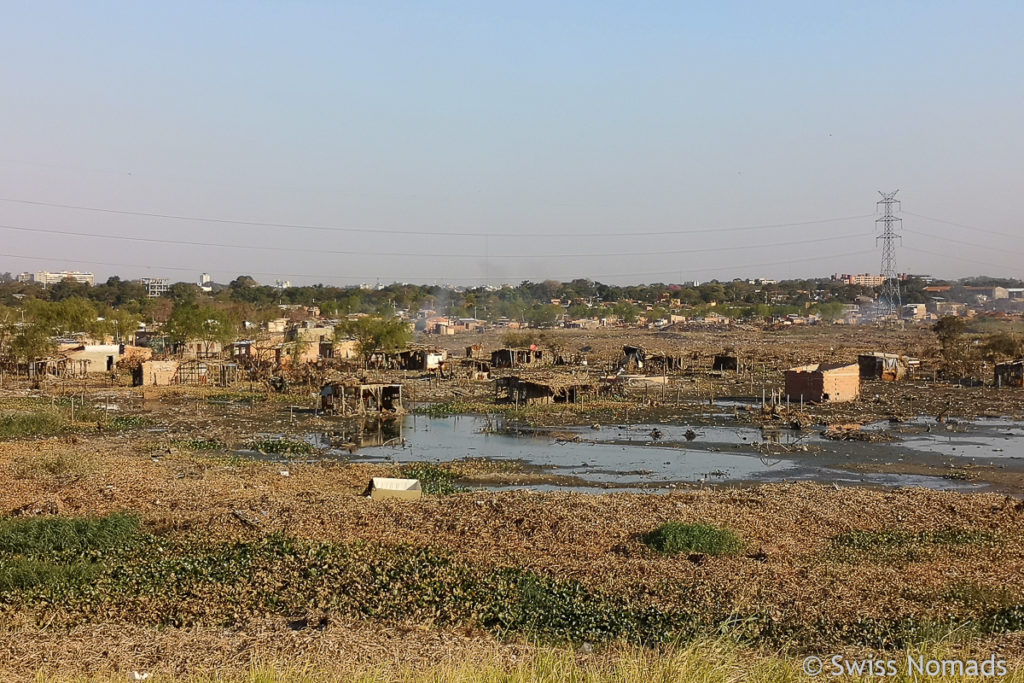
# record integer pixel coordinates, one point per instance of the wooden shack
(1009, 374)
(351, 396)
(725, 362)
(890, 367)
(548, 388)
(516, 358)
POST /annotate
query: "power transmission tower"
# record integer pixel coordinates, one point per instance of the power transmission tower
(890, 225)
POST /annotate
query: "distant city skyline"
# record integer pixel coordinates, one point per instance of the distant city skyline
(470, 144)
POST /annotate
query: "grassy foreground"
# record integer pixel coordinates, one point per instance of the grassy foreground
(707, 661)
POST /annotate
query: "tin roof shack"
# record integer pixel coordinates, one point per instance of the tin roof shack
(473, 368)
(890, 367)
(353, 397)
(98, 357)
(516, 358)
(818, 383)
(549, 388)
(635, 358)
(421, 359)
(725, 362)
(1010, 374)
(662, 363)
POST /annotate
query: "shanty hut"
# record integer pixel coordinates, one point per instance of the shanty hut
(823, 382)
(516, 358)
(1010, 374)
(547, 388)
(725, 362)
(473, 368)
(420, 359)
(352, 396)
(890, 367)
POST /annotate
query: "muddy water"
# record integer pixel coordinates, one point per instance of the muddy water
(636, 456)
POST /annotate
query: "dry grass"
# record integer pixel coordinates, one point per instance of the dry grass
(597, 540)
(706, 661)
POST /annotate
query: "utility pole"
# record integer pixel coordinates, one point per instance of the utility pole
(890, 224)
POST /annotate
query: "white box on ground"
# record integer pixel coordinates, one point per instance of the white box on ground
(387, 487)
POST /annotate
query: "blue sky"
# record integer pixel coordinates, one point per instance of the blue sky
(520, 126)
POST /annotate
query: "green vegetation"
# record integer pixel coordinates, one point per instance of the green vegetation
(199, 444)
(433, 479)
(376, 335)
(37, 536)
(443, 409)
(889, 546)
(282, 447)
(190, 321)
(38, 423)
(677, 537)
(124, 423)
(109, 566)
(235, 397)
(59, 554)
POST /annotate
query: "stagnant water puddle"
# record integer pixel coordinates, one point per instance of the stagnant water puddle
(660, 456)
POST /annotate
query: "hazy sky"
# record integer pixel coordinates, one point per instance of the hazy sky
(544, 134)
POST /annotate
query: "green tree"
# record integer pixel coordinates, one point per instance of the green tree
(375, 335)
(1002, 345)
(32, 342)
(189, 322)
(955, 352)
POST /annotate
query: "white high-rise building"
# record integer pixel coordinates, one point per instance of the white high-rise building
(46, 277)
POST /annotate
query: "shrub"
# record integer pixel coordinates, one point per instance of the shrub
(282, 447)
(678, 537)
(35, 536)
(433, 479)
(42, 423)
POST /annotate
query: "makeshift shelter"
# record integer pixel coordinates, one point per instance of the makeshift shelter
(472, 368)
(155, 373)
(1010, 374)
(890, 367)
(635, 357)
(725, 362)
(353, 397)
(662, 363)
(549, 388)
(420, 359)
(516, 358)
(818, 383)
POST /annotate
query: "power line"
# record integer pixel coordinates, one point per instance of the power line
(958, 257)
(964, 226)
(461, 277)
(963, 242)
(376, 231)
(348, 252)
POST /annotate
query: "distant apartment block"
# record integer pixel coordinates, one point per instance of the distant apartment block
(156, 286)
(47, 278)
(860, 280)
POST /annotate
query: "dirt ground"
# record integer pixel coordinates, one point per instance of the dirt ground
(788, 568)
